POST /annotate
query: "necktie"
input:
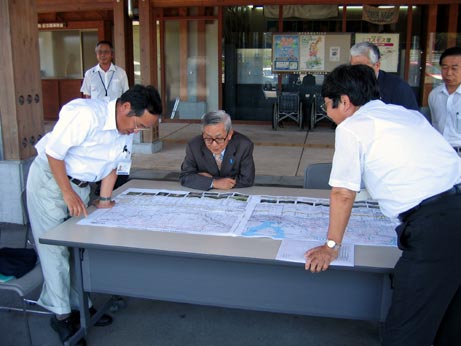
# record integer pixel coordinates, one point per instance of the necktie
(218, 159)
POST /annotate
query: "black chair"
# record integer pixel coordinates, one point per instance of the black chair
(317, 175)
(307, 92)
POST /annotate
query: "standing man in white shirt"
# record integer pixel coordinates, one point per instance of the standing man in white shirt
(105, 81)
(445, 100)
(86, 145)
(413, 173)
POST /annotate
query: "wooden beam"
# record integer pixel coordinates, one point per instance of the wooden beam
(44, 6)
(199, 3)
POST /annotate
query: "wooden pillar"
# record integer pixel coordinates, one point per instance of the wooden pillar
(220, 51)
(344, 19)
(149, 63)
(21, 108)
(408, 42)
(183, 56)
(201, 58)
(430, 42)
(452, 25)
(123, 42)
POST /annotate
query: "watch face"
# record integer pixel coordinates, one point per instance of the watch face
(331, 244)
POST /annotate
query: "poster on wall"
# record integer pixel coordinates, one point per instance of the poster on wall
(388, 45)
(286, 52)
(309, 52)
(312, 52)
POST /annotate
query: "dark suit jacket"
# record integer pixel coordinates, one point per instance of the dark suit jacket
(395, 90)
(237, 163)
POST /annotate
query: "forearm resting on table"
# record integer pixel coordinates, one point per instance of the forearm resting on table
(341, 202)
(105, 193)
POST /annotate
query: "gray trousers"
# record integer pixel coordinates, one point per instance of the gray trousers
(47, 210)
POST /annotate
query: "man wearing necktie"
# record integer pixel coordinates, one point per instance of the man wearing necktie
(219, 158)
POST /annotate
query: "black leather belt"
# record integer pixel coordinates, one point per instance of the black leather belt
(77, 182)
(453, 191)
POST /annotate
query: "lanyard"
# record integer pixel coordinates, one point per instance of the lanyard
(110, 80)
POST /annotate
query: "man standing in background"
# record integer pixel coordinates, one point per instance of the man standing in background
(105, 81)
(445, 100)
(392, 88)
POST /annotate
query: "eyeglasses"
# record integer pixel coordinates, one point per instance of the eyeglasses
(219, 141)
(323, 106)
(141, 128)
(101, 52)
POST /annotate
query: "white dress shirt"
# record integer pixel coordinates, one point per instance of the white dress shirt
(446, 113)
(87, 139)
(105, 85)
(401, 158)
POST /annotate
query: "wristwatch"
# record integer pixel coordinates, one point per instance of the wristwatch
(332, 244)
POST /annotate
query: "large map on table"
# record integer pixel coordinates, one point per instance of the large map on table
(236, 214)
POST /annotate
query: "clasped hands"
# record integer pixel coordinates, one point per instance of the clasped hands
(221, 183)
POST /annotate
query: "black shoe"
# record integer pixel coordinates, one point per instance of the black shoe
(65, 328)
(103, 321)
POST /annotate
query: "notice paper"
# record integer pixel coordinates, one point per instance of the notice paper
(293, 251)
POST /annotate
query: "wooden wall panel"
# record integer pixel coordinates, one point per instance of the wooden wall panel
(21, 102)
(69, 89)
(51, 106)
(56, 93)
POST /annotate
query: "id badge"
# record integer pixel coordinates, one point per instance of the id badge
(124, 167)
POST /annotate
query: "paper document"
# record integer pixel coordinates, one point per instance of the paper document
(293, 251)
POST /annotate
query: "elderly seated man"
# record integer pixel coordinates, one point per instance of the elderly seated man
(219, 158)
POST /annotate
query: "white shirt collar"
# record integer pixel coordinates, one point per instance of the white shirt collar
(111, 122)
(445, 90)
(99, 69)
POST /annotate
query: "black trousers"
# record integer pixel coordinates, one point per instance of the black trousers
(426, 303)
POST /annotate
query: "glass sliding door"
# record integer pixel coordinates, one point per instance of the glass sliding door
(190, 61)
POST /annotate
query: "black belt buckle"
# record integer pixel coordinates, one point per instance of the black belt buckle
(77, 182)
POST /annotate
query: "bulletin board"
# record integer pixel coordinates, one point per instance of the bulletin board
(309, 52)
(388, 45)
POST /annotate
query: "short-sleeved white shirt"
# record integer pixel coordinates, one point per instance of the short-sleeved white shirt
(401, 158)
(102, 85)
(87, 139)
(445, 109)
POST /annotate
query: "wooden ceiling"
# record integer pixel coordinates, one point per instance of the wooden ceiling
(66, 17)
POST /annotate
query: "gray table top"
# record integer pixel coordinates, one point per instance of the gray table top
(73, 235)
